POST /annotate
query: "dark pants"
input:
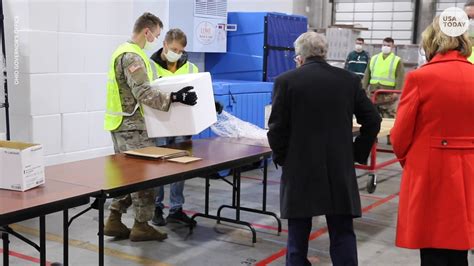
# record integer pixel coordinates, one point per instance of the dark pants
(443, 257)
(343, 246)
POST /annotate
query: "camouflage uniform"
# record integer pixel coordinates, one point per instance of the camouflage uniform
(386, 103)
(133, 83)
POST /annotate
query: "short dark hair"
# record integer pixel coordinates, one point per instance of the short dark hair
(360, 40)
(147, 20)
(389, 40)
(469, 3)
(176, 35)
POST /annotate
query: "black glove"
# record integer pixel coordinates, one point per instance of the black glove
(219, 107)
(184, 96)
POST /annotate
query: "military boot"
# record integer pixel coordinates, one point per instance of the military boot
(114, 226)
(145, 232)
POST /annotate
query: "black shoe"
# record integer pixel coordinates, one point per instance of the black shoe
(180, 217)
(158, 219)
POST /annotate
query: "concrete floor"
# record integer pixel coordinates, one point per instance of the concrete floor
(226, 244)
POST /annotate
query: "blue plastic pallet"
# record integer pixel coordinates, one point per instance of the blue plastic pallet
(246, 57)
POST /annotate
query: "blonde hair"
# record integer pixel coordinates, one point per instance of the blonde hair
(435, 41)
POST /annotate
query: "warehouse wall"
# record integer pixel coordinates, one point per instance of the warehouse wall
(383, 18)
(57, 56)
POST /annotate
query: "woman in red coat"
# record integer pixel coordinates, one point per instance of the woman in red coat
(433, 137)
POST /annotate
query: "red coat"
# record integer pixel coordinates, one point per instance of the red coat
(434, 138)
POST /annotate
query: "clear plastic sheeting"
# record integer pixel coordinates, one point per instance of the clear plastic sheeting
(230, 126)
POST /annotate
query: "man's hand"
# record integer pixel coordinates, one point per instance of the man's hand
(184, 96)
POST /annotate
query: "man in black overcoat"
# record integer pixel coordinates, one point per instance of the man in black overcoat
(310, 133)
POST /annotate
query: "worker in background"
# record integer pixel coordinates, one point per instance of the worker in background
(469, 8)
(172, 60)
(385, 72)
(128, 87)
(358, 59)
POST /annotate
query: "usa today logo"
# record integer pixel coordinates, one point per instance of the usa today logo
(453, 21)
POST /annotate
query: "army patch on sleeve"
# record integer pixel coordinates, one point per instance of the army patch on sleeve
(134, 67)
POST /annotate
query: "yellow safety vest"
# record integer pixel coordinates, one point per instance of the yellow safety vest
(187, 68)
(471, 57)
(113, 112)
(382, 71)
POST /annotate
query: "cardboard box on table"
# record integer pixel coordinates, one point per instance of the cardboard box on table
(21, 165)
(181, 119)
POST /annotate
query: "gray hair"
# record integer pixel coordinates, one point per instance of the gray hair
(311, 44)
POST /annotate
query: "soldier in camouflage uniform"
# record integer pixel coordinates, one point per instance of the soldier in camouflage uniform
(386, 102)
(133, 81)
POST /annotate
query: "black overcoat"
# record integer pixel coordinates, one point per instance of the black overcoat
(310, 133)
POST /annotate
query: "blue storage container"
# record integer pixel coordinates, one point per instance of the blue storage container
(260, 49)
(243, 99)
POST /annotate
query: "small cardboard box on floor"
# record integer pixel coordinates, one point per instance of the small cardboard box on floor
(182, 120)
(21, 165)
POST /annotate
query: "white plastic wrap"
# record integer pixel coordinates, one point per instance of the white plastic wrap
(230, 126)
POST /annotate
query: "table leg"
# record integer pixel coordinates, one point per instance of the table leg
(42, 240)
(66, 237)
(237, 192)
(264, 200)
(101, 202)
(6, 248)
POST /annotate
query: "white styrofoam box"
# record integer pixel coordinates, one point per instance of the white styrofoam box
(363, 7)
(98, 137)
(401, 35)
(41, 51)
(46, 130)
(113, 17)
(102, 46)
(75, 132)
(44, 94)
(95, 86)
(383, 6)
(44, 15)
(363, 16)
(386, 16)
(73, 94)
(397, 25)
(20, 127)
(344, 16)
(71, 53)
(407, 16)
(382, 25)
(72, 16)
(182, 120)
(345, 7)
(21, 165)
(88, 154)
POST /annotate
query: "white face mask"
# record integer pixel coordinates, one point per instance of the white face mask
(172, 56)
(150, 45)
(358, 47)
(386, 49)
